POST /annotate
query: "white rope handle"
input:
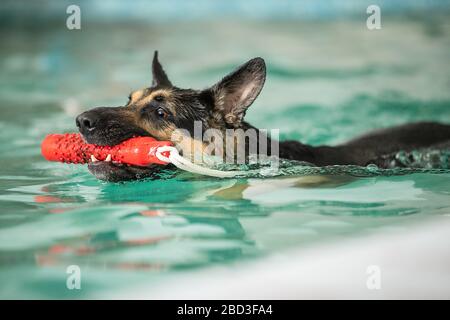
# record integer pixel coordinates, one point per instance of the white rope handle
(176, 159)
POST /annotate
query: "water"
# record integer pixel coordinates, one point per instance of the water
(327, 82)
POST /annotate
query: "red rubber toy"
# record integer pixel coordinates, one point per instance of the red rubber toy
(70, 148)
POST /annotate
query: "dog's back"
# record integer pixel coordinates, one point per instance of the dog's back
(373, 146)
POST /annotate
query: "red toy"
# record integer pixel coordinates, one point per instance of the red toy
(70, 148)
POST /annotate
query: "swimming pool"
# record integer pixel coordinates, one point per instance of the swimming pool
(327, 82)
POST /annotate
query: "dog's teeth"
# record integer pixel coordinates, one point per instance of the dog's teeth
(108, 158)
(93, 158)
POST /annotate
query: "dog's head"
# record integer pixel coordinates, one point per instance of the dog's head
(159, 110)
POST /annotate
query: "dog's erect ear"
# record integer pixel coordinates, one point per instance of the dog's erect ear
(237, 91)
(159, 76)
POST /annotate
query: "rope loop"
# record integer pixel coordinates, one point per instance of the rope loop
(182, 163)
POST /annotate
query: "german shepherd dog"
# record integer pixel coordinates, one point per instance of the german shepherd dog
(162, 108)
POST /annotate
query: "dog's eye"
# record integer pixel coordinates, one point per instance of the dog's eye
(159, 98)
(161, 113)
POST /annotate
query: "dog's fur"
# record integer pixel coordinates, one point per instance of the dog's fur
(162, 108)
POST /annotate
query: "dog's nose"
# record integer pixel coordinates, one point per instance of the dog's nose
(86, 121)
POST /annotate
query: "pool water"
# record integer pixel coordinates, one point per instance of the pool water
(327, 82)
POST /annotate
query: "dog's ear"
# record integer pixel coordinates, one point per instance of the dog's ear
(237, 91)
(159, 76)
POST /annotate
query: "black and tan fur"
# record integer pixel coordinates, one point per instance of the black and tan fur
(162, 108)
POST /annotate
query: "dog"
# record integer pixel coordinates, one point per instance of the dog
(162, 108)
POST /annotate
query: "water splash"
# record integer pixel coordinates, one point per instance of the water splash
(400, 163)
(428, 159)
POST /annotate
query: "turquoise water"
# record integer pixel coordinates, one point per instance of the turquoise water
(327, 82)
